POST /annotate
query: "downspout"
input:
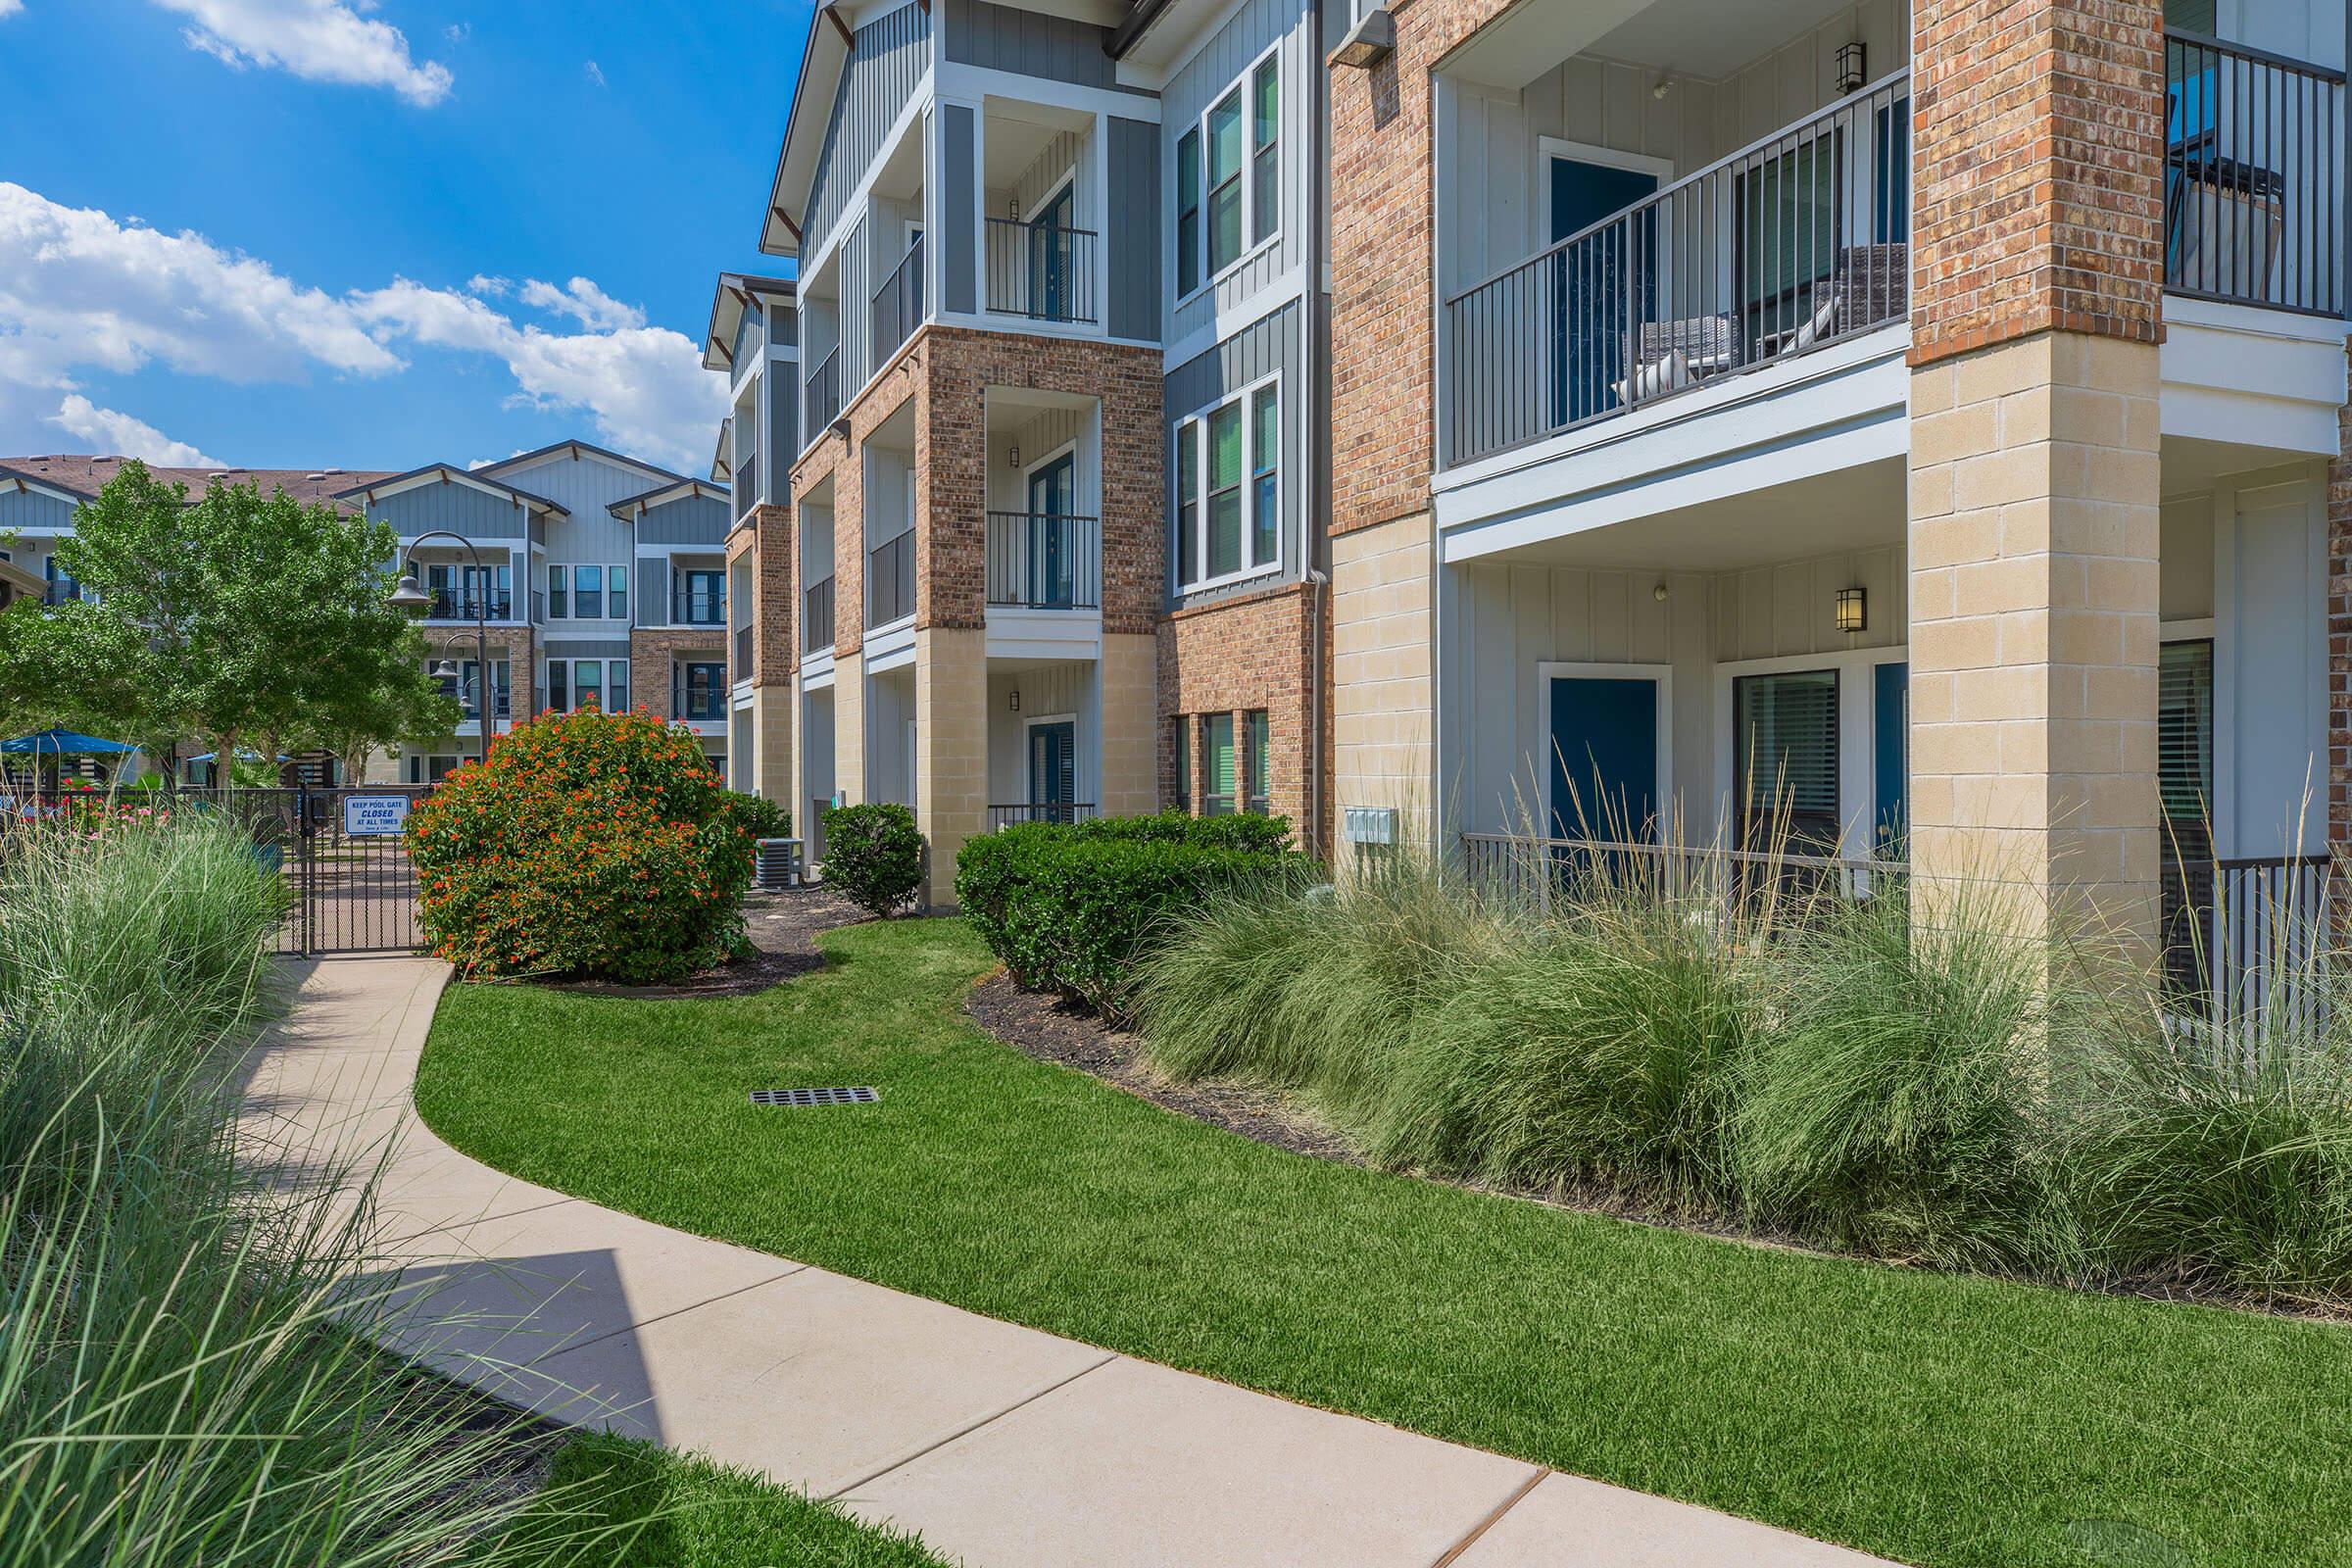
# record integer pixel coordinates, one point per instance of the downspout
(1316, 330)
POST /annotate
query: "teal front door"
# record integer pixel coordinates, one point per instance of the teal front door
(1054, 770)
(1053, 497)
(1891, 758)
(1604, 759)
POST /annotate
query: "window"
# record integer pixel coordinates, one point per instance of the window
(1217, 743)
(1181, 748)
(1227, 489)
(705, 691)
(617, 600)
(701, 599)
(557, 603)
(1257, 773)
(1229, 177)
(1188, 213)
(470, 688)
(1265, 134)
(1785, 747)
(587, 593)
(574, 684)
(2184, 746)
(430, 770)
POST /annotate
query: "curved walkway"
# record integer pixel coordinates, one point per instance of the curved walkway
(1003, 1446)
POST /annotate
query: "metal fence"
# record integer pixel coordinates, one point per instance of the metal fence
(890, 580)
(2253, 176)
(1538, 874)
(2253, 940)
(897, 308)
(817, 618)
(1003, 816)
(1044, 561)
(821, 399)
(1783, 248)
(1041, 271)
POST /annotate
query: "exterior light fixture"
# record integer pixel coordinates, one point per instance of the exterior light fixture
(1658, 592)
(1369, 42)
(1852, 614)
(1850, 67)
(1016, 699)
(1013, 209)
(408, 595)
(1665, 85)
(1014, 455)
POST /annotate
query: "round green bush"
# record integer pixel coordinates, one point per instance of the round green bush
(760, 816)
(592, 845)
(875, 855)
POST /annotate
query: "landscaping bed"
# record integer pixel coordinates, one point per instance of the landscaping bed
(1945, 1419)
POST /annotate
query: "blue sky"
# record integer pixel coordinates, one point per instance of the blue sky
(281, 233)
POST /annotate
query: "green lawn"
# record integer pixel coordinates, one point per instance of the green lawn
(1936, 1419)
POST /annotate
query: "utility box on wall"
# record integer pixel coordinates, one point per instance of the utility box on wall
(1370, 825)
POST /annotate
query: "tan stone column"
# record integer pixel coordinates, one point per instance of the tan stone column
(1384, 643)
(950, 748)
(1129, 766)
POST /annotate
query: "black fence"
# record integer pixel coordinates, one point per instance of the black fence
(890, 580)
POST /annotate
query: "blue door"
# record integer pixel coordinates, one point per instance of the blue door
(1604, 759)
(1592, 295)
(1050, 242)
(1052, 498)
(1890, 754)
(1054, 770)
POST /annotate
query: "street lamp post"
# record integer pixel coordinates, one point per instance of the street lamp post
(408, 595)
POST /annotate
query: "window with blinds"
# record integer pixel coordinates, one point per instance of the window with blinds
(1785, 734)
(2185, 744)
(1257, 761)
(1217, 745)
(1183, 748)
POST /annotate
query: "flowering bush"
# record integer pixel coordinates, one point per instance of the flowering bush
(589, 844)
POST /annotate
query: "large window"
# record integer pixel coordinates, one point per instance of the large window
(1229, 177)
(705, 691)
(1216, 744)
(587, 593)
(1229, 489)
(574, 684)
(1785, 747)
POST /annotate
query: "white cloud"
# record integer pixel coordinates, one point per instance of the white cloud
(594, 73)
(318, 40)
(495, 287)
(10, 8)
(582, 301)
(457, 32)
(80, 290)
(106, 430)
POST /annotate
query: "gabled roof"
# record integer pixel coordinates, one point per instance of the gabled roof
(572, 449)
(821, 59)
(721, 471)
(727, 304)
(24, 579)
(448, 473)
(81, 478)
(634, 506)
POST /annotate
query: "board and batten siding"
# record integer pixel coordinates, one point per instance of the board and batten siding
(888, 57)
(1029, 43)
(32, 510)
(1268, 346)
(1215, 70)
(687, 521)
(1131, 240)
(1064, 687)
(1040, 436)
(1492, 193)
(586, 487)
(464, 511)
(959, 183)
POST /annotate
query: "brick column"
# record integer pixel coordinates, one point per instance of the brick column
(2036, 477)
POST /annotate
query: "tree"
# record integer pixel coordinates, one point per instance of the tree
(236, 618)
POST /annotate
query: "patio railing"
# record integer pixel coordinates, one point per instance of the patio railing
(1041, 271)
(821, 399)
(1040, 561)
(1790, 245)
(897, 304)
(1536, 873)
(816, 616)
(1003, 816)
(890, 580)
(2253, 176)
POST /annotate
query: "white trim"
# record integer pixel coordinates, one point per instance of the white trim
(1245, 396)
(1578, 152)
(890, 646)
(855, 202)
(1857, 736)
(1661, 675)
(571, 689)
(1231, 321)
(1068, 449)
(1028, 757)
(971, 83)
(1252, 249)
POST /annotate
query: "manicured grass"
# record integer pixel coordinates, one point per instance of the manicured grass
(627, 1504)
(1939, 1419)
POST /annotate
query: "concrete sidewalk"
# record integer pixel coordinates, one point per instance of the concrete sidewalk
(1002, 1446)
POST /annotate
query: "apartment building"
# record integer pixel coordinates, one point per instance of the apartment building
(602, 577)
(1054, 489)
(1927, 419)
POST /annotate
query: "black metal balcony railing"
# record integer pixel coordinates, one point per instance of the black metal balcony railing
(746, 485)
(698, 607)
(2253, 176)
(497, 604)
(1795, 243)
(821, 398)
(1044, 561)
(897, 308)
(469, 708)
(890, 580)
(743, 668)
(1003, 816)
(816, 616)
(689, 703)
(1040, 270)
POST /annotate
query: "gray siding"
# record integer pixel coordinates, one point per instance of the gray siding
(957, 182)
(1206, 78)
(1133, 237)
(747, 337)
(887, 60)
(783, 324)
(650, 606)
(461, 508)
(856, 321)
(782, 391)
(557, 646)
(26, 508)
(1029, 43)
(1268, 346)
(687, 521)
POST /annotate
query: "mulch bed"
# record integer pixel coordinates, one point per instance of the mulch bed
(782, 927)
(1053, 1030)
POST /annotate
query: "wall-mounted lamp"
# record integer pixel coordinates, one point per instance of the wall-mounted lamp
(1013, 209)
(1852, 614)
(1658, 592)
(1370, 42)
(1013, 455)
(1016, 699)
(1663, 86)
(1850, 67)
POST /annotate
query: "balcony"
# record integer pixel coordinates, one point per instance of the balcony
(744, 668)
(817, 618)
(1043, 562)
(2252, 178)
(1001, 818)
(695, 705)
(1041, 271)
(698, 607)
(1788, 246)
(821, 399)
(457, 605)
(747, 486)
(890, 580)
(897, 308)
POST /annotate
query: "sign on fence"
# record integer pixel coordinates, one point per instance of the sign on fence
(374, 816)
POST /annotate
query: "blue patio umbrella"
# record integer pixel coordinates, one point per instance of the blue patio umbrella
(62, 743)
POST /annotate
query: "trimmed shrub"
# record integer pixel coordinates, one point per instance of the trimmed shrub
(874, 854)
(758, 816)
(1070, 908)
(1237, 831)
(589, 844)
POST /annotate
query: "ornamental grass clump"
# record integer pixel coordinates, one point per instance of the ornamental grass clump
(590, 845)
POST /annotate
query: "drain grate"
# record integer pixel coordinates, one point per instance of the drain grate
(804, 1098)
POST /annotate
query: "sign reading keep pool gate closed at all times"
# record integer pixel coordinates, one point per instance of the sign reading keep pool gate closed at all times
(370, 816)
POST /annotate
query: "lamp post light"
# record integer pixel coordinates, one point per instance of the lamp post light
(409, 595)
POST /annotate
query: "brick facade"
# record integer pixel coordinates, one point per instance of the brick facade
(2039, 153)
(1253, 652)
(651, 653)
(769, 543)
